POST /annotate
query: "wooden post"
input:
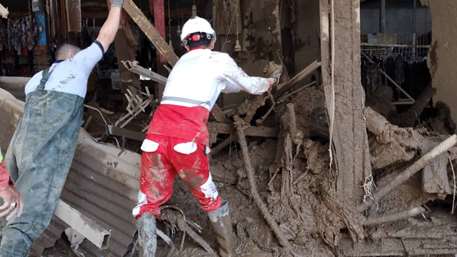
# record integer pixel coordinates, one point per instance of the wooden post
(345, 98)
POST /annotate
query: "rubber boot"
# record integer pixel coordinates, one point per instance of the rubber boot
(147, 237)
(222, 225)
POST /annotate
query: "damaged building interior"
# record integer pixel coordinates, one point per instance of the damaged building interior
(351, 154)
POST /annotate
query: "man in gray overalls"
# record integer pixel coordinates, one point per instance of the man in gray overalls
(43, 146)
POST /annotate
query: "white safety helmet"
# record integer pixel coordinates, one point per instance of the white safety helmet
(196, 24)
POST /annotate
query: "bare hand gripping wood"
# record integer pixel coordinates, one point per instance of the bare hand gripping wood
(151, 32)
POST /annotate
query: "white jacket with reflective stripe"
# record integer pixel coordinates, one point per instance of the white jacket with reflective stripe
(201, 75)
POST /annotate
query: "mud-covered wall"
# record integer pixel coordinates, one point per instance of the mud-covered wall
(443, 54)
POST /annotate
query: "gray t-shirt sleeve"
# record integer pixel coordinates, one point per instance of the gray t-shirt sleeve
(87, 58)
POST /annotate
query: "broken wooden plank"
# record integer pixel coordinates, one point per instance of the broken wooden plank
(308, 70)
(3, 12)
(150, 31)
(409, 172)
(89, 228)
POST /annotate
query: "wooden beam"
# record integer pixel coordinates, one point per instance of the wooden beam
(308, 70)
(150, 31)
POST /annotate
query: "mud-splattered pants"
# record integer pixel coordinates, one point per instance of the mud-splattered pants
(165, 157)
(39, 159)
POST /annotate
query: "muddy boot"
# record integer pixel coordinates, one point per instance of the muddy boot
(147, 238)
(222, 225)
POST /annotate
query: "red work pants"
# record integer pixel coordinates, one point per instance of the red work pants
(165, 157)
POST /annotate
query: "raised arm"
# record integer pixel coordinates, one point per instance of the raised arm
(109, 29)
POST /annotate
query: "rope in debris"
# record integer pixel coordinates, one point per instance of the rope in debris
(332, 70)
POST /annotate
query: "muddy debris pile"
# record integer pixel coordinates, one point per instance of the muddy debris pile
(273, 166)
(271, 160)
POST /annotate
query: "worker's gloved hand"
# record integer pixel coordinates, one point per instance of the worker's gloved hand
(117, 3)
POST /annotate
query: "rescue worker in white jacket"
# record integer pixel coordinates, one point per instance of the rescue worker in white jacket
(177, 139)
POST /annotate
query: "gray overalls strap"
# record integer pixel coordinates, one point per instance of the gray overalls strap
(39, 156)
(44, 79)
